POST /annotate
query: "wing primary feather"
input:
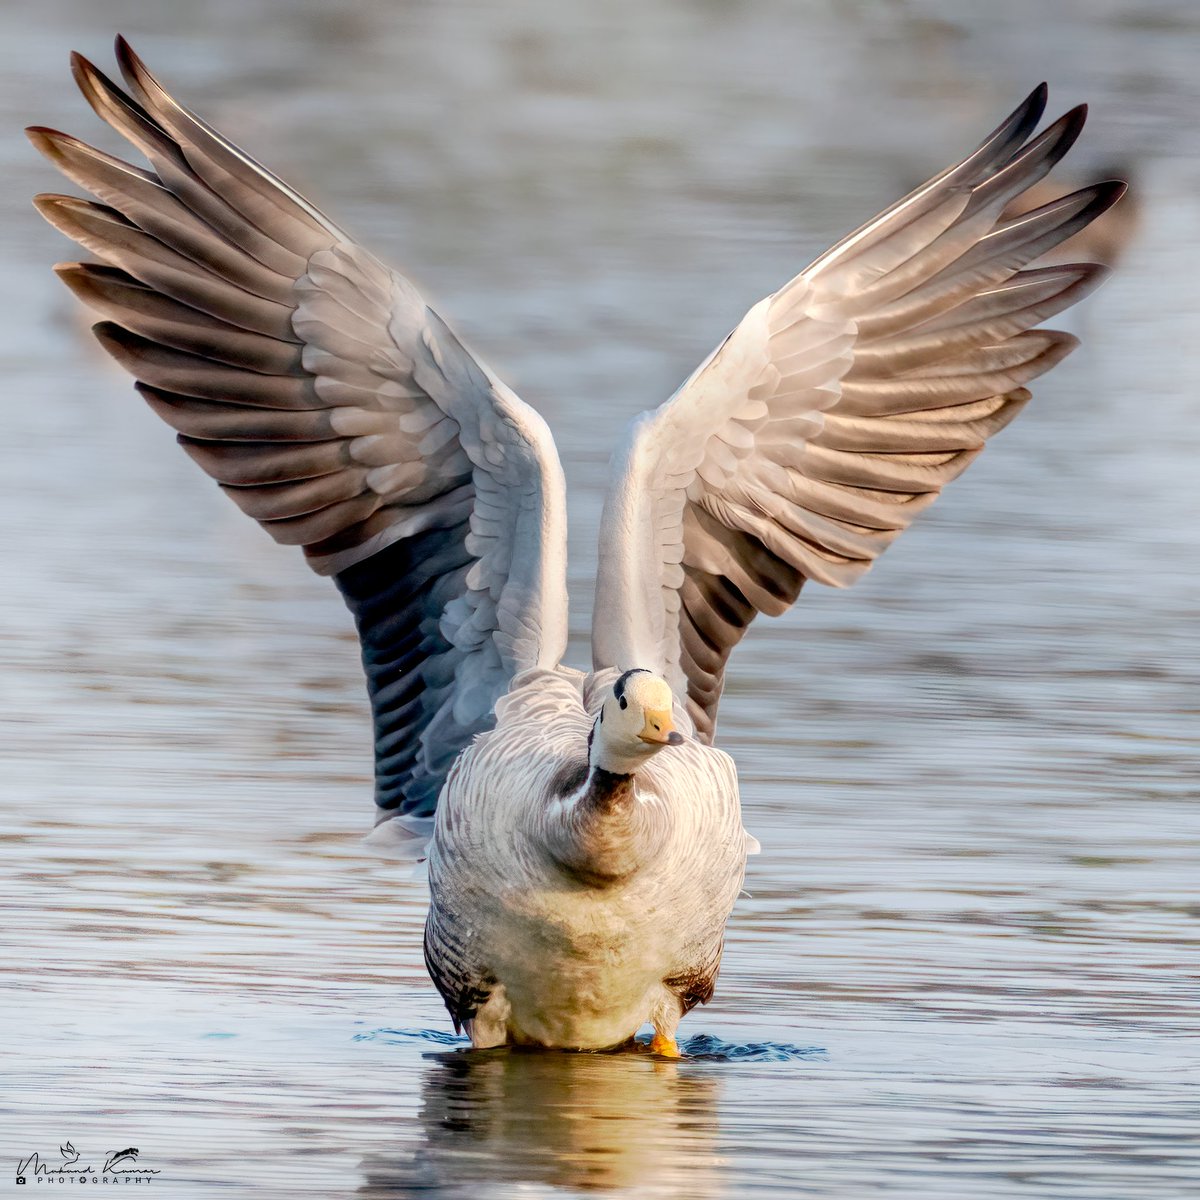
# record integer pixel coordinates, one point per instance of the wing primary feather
(130, 120)
(144, 202)
(1032, 163)
(179, 372)
(122, 244)
(142, 310)
(255, 463)
(259, 193)
(991, 263)
(993, 152)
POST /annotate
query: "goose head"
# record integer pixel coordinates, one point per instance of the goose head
(634, 724)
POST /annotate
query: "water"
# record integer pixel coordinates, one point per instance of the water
(968, 963)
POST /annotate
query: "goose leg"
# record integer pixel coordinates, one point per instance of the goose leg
(665, 1017)
(668, 1047)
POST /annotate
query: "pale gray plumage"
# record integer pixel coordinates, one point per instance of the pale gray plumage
(333, 406)
(836, 411)
(580, 878)
(508, 929)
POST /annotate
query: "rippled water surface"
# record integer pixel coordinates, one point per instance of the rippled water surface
(968, 965)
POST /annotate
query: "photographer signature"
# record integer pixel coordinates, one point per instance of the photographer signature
(33, 1165)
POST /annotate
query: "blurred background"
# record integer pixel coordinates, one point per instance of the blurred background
(967, 962)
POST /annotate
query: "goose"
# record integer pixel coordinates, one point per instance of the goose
(584, 835)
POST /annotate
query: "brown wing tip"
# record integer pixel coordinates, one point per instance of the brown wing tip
(1022, 121)
(54, 144)
(1086, 278)
(55, 206)
(79, 277)
(96, 87)
(86, 278)
(45, 141)
(84, 70)
(132, 67)
(81, 220)
(1056, 345)
(120, 344)
(140, 79)
(1065, 131)
(1090, 273)
(40, 133)
(1109, 191)
(73, 274)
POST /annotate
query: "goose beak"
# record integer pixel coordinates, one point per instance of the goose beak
(659, 729)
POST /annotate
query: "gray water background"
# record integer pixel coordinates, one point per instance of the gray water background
(968, 966)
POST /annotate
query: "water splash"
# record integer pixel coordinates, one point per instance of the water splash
(400, 1037)
(702, 1047)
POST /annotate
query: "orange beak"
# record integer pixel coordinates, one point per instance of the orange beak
(659, 729)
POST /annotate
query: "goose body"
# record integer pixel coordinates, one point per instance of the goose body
(579, 915)
(583, 832)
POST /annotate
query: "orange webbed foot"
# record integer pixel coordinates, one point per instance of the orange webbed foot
(667, 1047)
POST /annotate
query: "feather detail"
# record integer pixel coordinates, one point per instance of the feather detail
(332, 406)
(837, 410)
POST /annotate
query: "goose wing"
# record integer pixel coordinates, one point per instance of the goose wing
(837, 410)
(333, 406)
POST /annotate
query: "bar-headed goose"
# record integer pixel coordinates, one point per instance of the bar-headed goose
(587, 843)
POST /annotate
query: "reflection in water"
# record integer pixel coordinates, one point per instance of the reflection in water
(586, 1121)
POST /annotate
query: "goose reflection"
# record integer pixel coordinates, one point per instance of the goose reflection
(588, 1122)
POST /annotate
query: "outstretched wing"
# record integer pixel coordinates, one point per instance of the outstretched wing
(332, 405)
(836, 411)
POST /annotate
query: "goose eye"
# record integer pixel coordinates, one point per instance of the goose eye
(624, 702)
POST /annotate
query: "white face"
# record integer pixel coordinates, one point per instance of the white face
(634, 723)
